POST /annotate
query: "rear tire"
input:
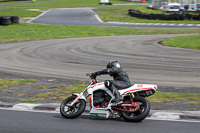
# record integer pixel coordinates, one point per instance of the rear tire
(72, 111)
(139, 115)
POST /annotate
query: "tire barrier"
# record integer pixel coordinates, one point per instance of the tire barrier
(171, 16)
(15, 19)
(7, 20)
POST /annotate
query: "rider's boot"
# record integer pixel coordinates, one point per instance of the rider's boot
(117, 95)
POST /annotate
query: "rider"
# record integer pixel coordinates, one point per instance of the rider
(120, 76)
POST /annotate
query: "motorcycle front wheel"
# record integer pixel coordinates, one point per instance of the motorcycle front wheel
(74, 111)
(140, 114)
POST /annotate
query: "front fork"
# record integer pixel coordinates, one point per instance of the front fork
(78, 96)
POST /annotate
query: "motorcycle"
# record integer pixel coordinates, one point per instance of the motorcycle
(133, 108)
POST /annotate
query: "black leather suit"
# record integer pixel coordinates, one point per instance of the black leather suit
(120, 76)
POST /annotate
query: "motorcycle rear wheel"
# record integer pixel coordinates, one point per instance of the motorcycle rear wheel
(72, 111)
(140, 114)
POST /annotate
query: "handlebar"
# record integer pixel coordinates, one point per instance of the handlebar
(88, 74)
(94, 80)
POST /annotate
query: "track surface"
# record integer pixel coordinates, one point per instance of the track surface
(86, 16)
(145, 59)
(34, 122)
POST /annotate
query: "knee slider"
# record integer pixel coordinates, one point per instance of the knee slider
(108, 84)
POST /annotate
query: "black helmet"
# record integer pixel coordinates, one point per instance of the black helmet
(112, 64)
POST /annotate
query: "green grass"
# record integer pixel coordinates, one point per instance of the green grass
(193, 103)
(27, 32)
(144, 9)
(57, 3)
(159, 97)
(192, 42)
(5, 83)
(62, 92)
(21, 12)
(31, 101)
(169, 97)
(65, 91)
(64, 3)
(120, 14)
(13, 1)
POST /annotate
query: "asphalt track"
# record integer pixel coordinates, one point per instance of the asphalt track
(37, 122)
(142, 56)
(86, 16)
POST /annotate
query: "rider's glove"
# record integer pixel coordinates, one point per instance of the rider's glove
(93, 75)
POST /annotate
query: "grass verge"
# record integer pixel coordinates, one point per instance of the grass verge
(21, 12)
(170, 97)
(61, 93)
(159, 97)
(55, 3)
(61, 3)
(5, 83)
(46, 93)
(120, 14)
(27, 32)
(192, 42)
(31, 101)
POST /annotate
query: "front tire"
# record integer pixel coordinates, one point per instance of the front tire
(140, 114)
(72, 111)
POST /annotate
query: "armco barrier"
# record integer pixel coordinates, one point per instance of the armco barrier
(172, 16)
(7, 20)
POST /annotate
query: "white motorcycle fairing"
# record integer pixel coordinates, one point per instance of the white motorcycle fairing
(98, 112)
(99, 86)
(137, 88)
(132, 89)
